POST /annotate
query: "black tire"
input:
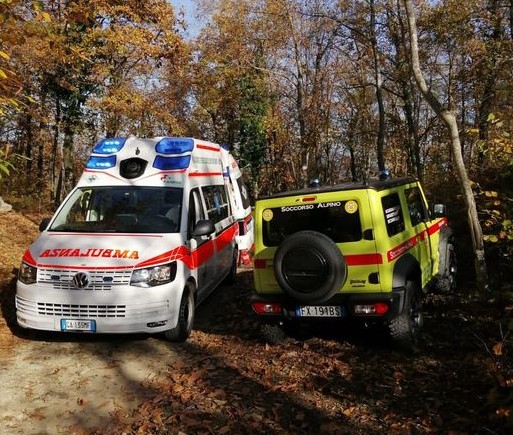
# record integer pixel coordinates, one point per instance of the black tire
(309, 267)
(405, 329)
(232, 274)
(183, 328)
(446, 283)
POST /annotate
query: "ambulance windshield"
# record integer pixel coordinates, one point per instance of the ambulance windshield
(124, 209)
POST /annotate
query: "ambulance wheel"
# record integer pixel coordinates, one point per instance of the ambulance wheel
(232, 274)
(183, 328)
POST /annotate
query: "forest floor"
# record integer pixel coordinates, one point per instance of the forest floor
(226, 380)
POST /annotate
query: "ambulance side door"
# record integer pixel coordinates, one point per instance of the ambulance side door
(201, 247)
(218, 210)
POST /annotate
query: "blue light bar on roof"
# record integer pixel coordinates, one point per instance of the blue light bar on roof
(170, 163)
(110, 145)
(174, 145)
(225, 146)
(97, 162)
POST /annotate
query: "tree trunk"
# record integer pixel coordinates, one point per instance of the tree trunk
(487, 102)
(450, 121)
(54, 191)
(378, 83)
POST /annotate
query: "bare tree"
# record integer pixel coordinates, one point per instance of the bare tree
(449, 118)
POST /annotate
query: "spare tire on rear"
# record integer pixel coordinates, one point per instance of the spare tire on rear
(309, 267)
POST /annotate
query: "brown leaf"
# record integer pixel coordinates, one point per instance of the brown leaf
(348, 411)
(497, 349)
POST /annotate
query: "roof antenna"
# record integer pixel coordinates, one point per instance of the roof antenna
(314, 182)
(384, 174)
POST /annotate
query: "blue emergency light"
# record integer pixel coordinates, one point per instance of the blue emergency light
(171, 163)
(174, 145)
(98, 162)
(109, 145)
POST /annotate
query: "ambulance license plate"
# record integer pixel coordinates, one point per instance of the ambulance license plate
(320, 311)
(78, 325)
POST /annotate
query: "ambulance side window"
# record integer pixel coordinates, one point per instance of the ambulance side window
(196, 211)
(216, 201)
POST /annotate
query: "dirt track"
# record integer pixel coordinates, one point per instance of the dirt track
(225, 380)
(70, 384)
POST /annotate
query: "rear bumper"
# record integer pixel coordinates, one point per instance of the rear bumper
(394, 300)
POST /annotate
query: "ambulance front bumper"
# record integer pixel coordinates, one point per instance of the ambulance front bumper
(125, 309)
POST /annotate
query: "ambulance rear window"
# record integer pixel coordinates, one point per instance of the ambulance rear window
(127, 209)
(243, 193)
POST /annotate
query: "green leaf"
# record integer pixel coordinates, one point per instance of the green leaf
(491, 238)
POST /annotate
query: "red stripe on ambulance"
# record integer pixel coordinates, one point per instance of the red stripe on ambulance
(205, 174)
(208, 148)
(27, 258)
(198, 256)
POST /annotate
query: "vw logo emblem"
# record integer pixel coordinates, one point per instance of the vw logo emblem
(81, 280)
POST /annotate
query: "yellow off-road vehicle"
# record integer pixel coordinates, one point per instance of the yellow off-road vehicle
(368, 251)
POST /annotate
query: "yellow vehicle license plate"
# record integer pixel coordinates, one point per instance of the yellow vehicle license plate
(320, 311)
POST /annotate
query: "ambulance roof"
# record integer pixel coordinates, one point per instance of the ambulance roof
(150, 160)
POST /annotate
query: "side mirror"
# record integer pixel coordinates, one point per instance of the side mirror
(44, 224)
(439, 210)
(203, 228)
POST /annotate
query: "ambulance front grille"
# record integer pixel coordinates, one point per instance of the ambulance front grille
(81, 311)
(99, 279)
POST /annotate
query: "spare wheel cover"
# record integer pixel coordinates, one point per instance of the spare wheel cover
(309, 267)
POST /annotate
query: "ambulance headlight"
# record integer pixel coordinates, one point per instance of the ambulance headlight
(27, 274)
(152, 276)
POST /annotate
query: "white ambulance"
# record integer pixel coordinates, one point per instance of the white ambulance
(241, 206)
(145, 237)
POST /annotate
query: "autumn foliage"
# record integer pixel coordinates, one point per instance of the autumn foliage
(297, 90)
